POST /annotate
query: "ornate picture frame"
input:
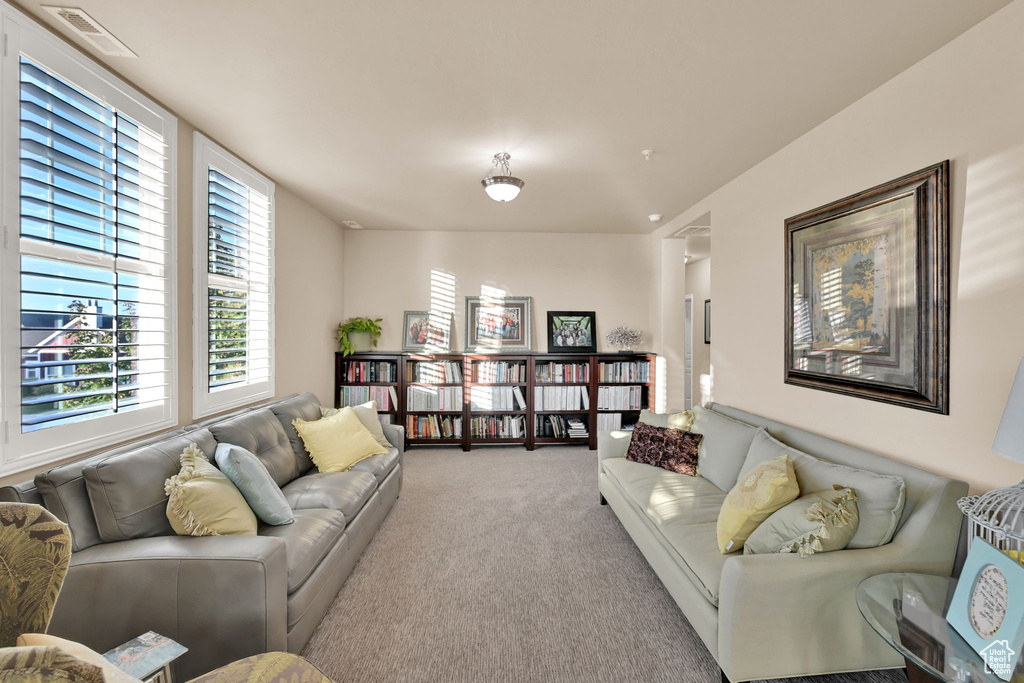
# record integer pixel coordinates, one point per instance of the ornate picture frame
(498, 324)
(572, 332)
(428, 331)
(867, 293)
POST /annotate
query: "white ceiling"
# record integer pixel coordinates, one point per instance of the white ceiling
(387, 112)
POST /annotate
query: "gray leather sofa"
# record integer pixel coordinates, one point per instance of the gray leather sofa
(223, 597)
(776, 615)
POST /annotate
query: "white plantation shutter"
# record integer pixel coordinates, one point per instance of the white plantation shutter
(234, 281)
(88, 310)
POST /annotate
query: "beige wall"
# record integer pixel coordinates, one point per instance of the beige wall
(388, 272)
(310, 296)
(698, 283)
(962, 103)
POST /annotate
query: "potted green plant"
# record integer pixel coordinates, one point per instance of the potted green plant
(358, 334)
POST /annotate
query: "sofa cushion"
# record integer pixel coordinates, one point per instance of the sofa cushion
(304, 407)
(666, 497)
(202, 501)
(380, 465)
(127, 489)
(65, 493)
(338, 442)
(757, 494)
(683, 420)
(815, 523)
(110, 673)
(346, 492)
(249, 475)
(724, 447)
(880, 497)
(367, 414)
(671, 449)
(307, 541)
(261, 433)
(682, 511)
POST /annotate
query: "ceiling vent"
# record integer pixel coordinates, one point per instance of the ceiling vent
(89, 30)
(694, 231)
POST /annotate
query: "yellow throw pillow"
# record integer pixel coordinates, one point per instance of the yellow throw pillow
(762, 491)
(204, 502)
(367, 414)
(110, 672)
(338, 442)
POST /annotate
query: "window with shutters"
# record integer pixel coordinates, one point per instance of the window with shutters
(88, 309)
(234, 267)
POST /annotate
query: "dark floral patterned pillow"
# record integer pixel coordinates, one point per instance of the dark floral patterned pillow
(672, 449)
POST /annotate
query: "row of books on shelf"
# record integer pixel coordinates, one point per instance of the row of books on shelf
(563, 372)
(499, 371)
(433, 398)
(560, 427)
(434, 372)
(620, 398)
(624, 371)
(386, 397)
(433, 427)
(609, 422)
(498, 427)
(496, 398)
(561, 398)
(371, 371)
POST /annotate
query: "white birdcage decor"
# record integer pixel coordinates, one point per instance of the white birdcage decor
(998, 516)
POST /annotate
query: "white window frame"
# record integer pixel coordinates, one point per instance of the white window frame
(207, 153)
(19, 451)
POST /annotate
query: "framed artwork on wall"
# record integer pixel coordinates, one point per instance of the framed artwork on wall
(707, 321)
(867, 293)
(496, 325)
(428, 331)
(572, 332)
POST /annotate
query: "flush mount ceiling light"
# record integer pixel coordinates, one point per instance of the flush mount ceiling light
(501, 185)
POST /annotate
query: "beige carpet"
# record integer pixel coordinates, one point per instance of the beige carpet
(500, 565)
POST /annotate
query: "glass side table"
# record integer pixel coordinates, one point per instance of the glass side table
(909, 612)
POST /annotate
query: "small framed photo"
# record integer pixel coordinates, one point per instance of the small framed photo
(571, 332)
(427, 331)
(988, 607)
(498, 325)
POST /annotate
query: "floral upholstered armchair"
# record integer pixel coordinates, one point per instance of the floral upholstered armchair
(35, 550)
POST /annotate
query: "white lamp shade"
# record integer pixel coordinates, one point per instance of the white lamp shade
(502, 188)
(1009, 441)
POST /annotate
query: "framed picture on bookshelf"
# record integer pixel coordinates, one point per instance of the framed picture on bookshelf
(572, 332)
(427, 331)
(497, 325)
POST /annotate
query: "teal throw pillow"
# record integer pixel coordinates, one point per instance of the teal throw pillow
(250, 476)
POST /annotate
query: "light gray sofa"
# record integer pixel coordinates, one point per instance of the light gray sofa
(775, 615)
(223, 597)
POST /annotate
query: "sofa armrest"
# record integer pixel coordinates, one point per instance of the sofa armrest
(395, 434)
(771, 607)
(612, 444)
(222, 597)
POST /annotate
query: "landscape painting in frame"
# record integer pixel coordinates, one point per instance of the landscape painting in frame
(571, 332)
(867, 293)
(497, 324)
